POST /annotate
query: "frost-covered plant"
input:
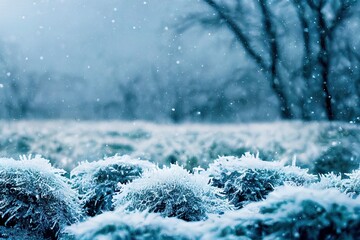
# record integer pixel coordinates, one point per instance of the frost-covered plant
(98, 181)
(329, 180)
(349, 185)
(35, 197)
(352, 184)
(115, 225)
(249, 179)
(337, 159)
(293, 213)
(172, 192)
(307, 214)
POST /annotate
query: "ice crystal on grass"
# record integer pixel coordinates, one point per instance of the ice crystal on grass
(35, 197)
(349, 185)
(293, 213)
(172, 192)
(114, 225)
(329, 180)
(98, 181)
(249, 179)
(352, 184)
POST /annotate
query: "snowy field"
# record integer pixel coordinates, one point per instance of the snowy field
(189, 181)
(66, 143)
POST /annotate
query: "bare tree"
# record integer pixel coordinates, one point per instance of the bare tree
(318, 41)
(319, 20)
(268, 63)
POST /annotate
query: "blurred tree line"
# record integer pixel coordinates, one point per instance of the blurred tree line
(298, 59)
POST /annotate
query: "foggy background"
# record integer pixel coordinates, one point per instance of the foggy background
(180, 60)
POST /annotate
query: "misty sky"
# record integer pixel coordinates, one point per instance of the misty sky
(89, 37)
(72, 36)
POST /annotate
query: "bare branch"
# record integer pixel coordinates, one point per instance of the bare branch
(239, 34)
(343, 13)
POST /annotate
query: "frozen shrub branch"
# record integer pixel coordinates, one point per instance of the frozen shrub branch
(97, 182)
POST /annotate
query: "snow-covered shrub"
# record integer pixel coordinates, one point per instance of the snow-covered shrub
(172, 192)
(307, 214)
(115, 225)
(349, 185)
(98, 181)
(293, 213)
(352, 184)
(340, 144)
(337, 159)
(35, 197)
(249, 179)
(329, 180)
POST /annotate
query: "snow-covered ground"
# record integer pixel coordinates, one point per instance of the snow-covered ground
(66, 143)
(281, 180)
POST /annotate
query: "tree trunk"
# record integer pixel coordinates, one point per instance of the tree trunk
(306, 69)
(275, 77)
(324, 60)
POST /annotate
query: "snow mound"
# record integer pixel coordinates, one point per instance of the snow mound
(35, 197)
(293, 213)
(248, 179)
(98, 181)
(114, 225)
(172, 192)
